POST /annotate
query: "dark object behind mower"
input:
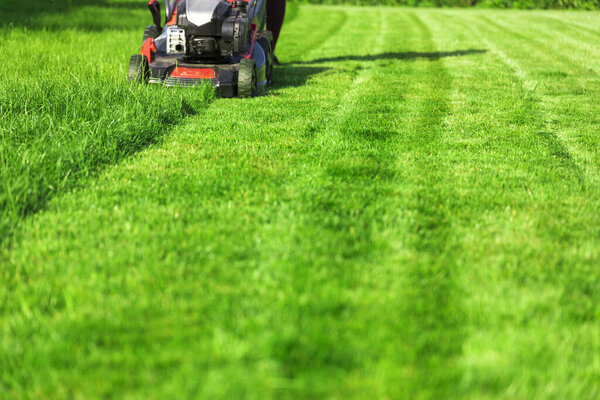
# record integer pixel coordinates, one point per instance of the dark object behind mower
(207, 40)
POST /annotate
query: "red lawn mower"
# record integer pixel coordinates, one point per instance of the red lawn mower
(220, 41)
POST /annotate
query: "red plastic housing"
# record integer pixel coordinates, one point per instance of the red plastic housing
(193, 73)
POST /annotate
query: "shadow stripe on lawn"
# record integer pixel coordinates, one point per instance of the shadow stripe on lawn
(431, 300)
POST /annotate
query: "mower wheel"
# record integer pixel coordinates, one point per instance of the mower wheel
(138, 69)
(152, 31)
(247, 82)
(265, 38)
(266, 41)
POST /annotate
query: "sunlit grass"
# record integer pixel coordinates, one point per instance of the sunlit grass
(411, 212)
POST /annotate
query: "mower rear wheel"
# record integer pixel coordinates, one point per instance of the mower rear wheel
(138, 69)
(266, 41)
(247, 83)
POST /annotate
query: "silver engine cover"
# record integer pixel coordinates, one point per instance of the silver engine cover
(200, 12)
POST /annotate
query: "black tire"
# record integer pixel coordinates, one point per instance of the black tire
(265, 39)
(152, 31)
(138, 69)
(247, 84)
(268, 36)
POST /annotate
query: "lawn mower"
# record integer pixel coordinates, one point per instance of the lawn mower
(220, 41)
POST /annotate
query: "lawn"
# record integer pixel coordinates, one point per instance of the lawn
(411, 212)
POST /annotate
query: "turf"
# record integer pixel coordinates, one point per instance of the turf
(411, 212)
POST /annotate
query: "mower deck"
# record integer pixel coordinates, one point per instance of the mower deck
(175, 72)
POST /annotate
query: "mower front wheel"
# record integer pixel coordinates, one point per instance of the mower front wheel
(247, 82)
(139, 70)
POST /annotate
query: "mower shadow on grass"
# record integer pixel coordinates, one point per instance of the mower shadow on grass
(409, 55)
(288, 75)
(297, 73)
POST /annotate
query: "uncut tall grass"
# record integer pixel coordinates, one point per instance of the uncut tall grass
(65, 114)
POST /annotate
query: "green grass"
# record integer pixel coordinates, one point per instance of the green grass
(412, 212)
(65, 110)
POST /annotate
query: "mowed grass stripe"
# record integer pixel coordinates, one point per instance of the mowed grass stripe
(564, 35)
(533, 217)
(568, 142)
(430, 304)
(561, 98)
(584, 23)
(537, 37)
(343, 201)
(482, 165)
(530, 112)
